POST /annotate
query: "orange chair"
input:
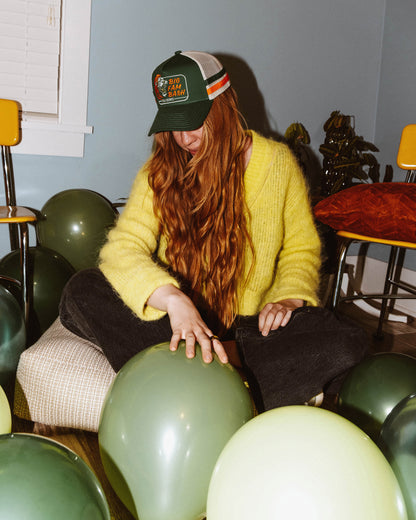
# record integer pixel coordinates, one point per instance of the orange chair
(16, 217)
(406, 159)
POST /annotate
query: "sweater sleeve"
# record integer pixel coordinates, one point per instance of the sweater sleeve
(298, 263)
(127, 258)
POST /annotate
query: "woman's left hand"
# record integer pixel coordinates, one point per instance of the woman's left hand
(278, 314)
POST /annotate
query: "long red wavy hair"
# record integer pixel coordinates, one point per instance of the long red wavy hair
(201, 206)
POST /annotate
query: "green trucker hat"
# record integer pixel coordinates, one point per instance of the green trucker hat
(184, 87)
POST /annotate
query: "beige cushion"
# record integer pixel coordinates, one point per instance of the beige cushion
(62, 380)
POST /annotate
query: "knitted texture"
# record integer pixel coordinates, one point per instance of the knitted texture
(286, 243)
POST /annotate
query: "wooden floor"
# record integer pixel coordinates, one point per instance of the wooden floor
(398, 337)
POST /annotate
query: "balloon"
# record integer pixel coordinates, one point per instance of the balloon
(5, 413)
(164, 422)
(12, 338)
(75, 223)
(374, 387)
(300, 462)
(49, 272)
(398, 442)
(41, 479)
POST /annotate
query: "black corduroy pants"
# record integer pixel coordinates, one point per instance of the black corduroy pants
(289, 366)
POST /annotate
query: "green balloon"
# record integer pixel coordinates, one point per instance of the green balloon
(75, 223)
(398, 442)
(49, 272)
(374, 387)
(164, 422)
(41, 479)
(12, 338)
(303, 463)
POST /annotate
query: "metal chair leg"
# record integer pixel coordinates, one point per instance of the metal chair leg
(410, 176)
(342, 255)
(24, 265)
(387, 288)
(10, 192)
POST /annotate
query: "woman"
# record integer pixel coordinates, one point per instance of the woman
(217, 240)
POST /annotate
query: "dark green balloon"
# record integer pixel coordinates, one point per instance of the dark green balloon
(374, 387)
(41, 479)
(165, 421)
(12, 339)
(49, 272)
(398, 443)
(75, 223)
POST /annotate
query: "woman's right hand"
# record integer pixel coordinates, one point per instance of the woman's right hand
(186, 323)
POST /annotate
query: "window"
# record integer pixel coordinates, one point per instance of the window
(54, 90)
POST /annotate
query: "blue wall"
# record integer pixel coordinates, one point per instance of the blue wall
(290, 60)
(396, 102)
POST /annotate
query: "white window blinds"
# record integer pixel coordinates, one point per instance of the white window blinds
(30, 32)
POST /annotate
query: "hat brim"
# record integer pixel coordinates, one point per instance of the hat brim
(181, 117)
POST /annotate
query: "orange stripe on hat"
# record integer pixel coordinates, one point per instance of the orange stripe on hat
(218, 84)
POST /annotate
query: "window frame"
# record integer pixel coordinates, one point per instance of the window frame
(64, 134)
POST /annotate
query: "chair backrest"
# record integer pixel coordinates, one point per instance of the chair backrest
(9, 122)
(406, 156)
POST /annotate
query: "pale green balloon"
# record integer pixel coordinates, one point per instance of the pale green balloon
(5, 413)
(41, 479)
(299, 462)
(165, 420)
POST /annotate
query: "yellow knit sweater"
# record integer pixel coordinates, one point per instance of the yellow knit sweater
(286, 244)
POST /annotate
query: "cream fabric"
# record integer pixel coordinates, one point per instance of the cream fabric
(62, 380)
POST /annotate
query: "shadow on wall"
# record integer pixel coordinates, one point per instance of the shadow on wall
(251, 100)
(253, 108)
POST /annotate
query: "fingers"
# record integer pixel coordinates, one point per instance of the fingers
(190, 346)
(187, 325)
(206, 340)
(219, 349)
(285, 319)
(174, 341)
(272, 317)
(206, 347)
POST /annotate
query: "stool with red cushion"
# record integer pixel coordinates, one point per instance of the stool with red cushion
(383, 213)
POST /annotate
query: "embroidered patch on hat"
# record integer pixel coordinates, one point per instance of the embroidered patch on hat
(170, 88)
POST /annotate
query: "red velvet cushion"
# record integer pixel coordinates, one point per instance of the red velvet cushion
(380, 210)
